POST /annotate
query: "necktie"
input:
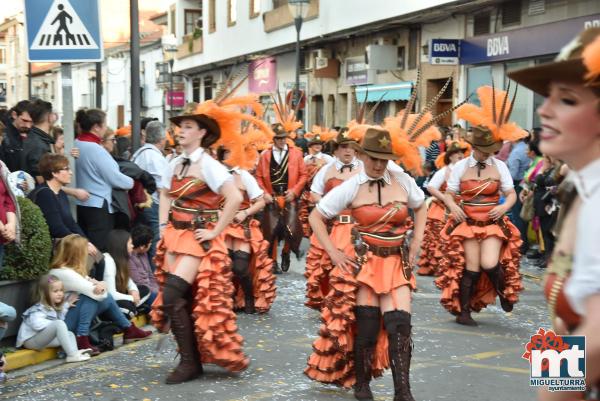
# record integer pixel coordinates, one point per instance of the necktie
(380, 183)
(348, 166)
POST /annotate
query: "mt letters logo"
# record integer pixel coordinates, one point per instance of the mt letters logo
(557, 362)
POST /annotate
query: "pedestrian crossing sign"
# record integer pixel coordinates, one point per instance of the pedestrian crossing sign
(63, 30)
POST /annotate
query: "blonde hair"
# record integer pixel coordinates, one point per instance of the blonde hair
(71, 252)
(44, 286)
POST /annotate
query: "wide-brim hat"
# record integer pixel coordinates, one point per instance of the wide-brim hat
(211, 126)
(567, 66)
(315, 140)
(481, 138)
(377, 143)
(279, 131)
(455, 147)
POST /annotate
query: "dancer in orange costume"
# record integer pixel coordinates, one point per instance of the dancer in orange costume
(318, 264)
(195, 297)
(313, 161)
(251, 265)
(570, 118)
(437, 213)
(478, 236)
(372, 274)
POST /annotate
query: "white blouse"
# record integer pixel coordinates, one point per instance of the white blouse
(215, 174)
(506, 181)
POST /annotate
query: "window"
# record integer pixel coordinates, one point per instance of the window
(212, 19)
(279, 3)
(254, 8)
(193, 21)
(481, 24)
(413, 46)
(511, 13)
(208, 88)
(196, 91)
(536, 7)
(401, 57)
(231, 12)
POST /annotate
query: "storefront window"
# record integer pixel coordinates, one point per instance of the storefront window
(478, 76)
(521, 111)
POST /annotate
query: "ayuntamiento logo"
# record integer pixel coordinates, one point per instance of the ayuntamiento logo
(557, 362)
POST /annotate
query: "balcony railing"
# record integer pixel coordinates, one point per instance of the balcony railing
(190, 46)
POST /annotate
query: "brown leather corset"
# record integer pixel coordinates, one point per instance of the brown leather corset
(383, 225)
(192, 196)
(478, 197)
(332, 183)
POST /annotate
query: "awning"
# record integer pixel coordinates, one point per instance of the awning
(385, 92)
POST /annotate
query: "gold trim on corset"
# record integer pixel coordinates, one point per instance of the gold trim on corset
(387, 216)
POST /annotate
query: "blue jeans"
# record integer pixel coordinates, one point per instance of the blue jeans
(151, 219)
(1, 258)
(79, 318)
(7, 314)
(151, 299)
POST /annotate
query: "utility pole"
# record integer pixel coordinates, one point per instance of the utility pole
(136, 108)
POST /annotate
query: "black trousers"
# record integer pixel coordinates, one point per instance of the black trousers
(96, 223)
(546, 224)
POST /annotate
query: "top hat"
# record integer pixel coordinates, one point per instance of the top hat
(481, 138)
(377, 143)
(567, 66)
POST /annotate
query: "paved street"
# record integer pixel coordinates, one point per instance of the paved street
(450, 362)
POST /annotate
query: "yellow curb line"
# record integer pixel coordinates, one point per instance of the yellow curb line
(27, 357)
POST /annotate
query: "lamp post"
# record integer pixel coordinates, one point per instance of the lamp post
(172, 50)
(299, 10)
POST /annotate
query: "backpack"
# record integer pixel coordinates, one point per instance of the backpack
(101, 335)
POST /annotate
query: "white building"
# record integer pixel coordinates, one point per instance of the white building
(13, 61)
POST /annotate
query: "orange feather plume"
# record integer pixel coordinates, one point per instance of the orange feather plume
(325, 134)
(485, 115)
(123, 131)
(591, 60)
(404, 145)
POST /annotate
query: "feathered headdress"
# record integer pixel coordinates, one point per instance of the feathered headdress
(591, 60)
(322, 133)
(233, 115)
(494, 113)
(411, 130)
(286, 115)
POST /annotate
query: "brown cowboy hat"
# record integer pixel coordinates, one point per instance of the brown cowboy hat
(567, 66)
(481, 138)
(315, 140)
(213, 131)
(377, 143)
(279, 131)
(453, 148)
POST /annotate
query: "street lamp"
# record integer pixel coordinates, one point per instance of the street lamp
(172, 50)
(299, 10)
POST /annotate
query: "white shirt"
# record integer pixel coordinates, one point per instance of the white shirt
(318, 183)
(252, 188)
(110, 278)
(279, 153)
(585, 276)
(439, 177)
(506, 181)
(75, 282)
(320, 155)
(214, 173)
(340, 197)
(151, 159)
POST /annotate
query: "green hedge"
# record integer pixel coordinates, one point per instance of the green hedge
(32, 258)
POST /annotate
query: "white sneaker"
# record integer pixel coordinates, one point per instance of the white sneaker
(78, 358)
(85, 351)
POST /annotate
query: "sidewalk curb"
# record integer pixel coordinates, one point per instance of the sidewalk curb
(26, 357)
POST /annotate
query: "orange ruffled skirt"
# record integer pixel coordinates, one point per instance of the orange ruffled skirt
(431, 247)
(318, 266)
(453, 265)
(304, 205)
(332, 359)
(261, 268)
(212, 303)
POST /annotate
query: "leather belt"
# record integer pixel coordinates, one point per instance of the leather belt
(385, 251)
(199, 221)
(480, 223)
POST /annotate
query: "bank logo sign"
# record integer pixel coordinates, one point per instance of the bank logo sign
(557, 362)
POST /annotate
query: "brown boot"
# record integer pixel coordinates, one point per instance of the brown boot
(367, 324)
(175, 308)
(468, 283)
(397, 324)
(241, 269)
(496, 276)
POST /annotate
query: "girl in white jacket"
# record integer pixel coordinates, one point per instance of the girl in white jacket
(43, 324)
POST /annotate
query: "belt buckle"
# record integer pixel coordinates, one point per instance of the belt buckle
(344, 219)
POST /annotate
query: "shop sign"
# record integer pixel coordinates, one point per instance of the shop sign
(444, 51)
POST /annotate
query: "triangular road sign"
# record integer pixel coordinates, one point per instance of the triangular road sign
(63, 29)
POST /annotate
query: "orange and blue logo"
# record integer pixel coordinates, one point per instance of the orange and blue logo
(557, 362)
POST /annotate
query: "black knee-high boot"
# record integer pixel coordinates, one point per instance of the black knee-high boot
(367, 325)
(496, 276)
(468, 284)
(175, 307)
(397, 324)
(241, 269)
